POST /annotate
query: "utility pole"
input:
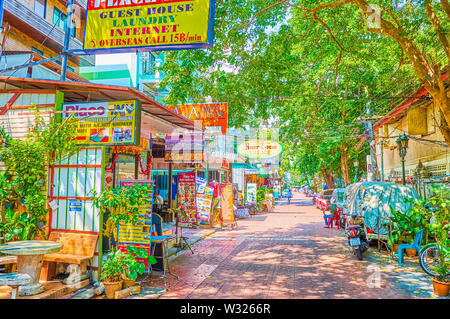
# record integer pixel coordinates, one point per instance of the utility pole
(368, 126)
(67, 28)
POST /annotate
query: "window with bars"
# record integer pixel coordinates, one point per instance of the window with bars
(438, 170)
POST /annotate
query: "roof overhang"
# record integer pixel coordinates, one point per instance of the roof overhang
(87, 92)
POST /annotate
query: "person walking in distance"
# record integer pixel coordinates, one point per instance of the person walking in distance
(289, 195)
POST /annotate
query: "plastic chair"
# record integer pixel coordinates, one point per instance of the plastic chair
(336, 219)
(415, 245)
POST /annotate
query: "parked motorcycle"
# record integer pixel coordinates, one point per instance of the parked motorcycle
(357, 240)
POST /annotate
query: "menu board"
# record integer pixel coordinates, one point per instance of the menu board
(138, 235)
(251, 193)
(226, 202)
(200, 184)
(204, 202)
(187, 199)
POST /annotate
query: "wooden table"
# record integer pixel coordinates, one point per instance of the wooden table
(29, 260)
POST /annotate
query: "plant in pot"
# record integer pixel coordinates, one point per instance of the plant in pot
(135, 264)
(123, 205)
(112, 272)
(439, 227)
(405, 226)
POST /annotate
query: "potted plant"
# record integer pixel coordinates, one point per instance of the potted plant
(439, 227)
(135, 264)
(122, 203)
(112, 271)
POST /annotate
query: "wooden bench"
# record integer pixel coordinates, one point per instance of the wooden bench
(9, 263)
(78, 249)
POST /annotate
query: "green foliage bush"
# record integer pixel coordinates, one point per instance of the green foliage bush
(23, 184)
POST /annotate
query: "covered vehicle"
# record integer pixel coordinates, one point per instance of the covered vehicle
(323, 199)
(371, 202)
(338, 197)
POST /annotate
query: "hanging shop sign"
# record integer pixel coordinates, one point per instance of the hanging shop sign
(114, 26)
(184, 148)
(106, 123)
(186, 199)
(214, 116)
(260, 149)
(139, 234)
(226, 202)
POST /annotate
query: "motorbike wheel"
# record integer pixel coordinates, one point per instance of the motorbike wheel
(359, 253)
(429, 258)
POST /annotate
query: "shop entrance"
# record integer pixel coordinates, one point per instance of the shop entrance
(73, 181)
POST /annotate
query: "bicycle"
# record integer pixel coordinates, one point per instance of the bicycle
(429, 258)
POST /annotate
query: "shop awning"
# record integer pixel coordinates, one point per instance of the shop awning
(249, 169)
(86, 92)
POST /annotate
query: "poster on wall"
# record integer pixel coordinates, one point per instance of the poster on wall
(106, 123)
(226, 202)
(186, 199)
(204, 203)
(251, 193)
(138, 235)
(214, 116)
(148, 25)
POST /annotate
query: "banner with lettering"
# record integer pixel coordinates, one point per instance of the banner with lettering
(226, 203)
(106, 123)
(212, 115)
(114, 26)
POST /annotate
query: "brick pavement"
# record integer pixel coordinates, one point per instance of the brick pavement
(287, 254)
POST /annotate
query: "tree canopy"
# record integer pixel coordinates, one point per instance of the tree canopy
(313, 68)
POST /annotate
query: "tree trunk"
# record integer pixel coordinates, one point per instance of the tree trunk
(443, 127)
(344, 163)
(328, 178)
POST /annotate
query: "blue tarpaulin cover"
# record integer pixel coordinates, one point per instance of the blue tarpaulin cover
(371, 201)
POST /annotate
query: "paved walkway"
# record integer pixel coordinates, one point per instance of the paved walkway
(288, 254)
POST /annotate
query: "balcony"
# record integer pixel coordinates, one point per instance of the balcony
(22, 18)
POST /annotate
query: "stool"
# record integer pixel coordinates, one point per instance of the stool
(14, 280)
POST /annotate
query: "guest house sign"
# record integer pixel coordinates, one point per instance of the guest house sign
(260, 149)
(212, 115)
(106, 123)
(148, 25)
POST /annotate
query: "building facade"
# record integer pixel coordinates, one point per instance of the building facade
(420, 120)
(33, 30)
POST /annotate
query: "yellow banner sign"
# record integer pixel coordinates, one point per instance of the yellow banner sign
(106, 123)
(148, 25)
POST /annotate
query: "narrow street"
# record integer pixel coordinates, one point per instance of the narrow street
(283, 254)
